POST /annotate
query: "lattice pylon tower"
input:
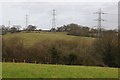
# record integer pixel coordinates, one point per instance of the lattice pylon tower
(54, 20)
(99, 26)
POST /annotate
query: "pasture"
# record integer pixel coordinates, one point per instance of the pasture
(31, 38)
(27, 70)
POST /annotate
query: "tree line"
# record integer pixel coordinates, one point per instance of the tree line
(79, 30)
(17, 28)
(71, 29)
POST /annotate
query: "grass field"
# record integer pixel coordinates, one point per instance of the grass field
(26, 70)
(30, 38)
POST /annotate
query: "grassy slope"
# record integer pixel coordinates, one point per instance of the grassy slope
(26, 70)
(30, 38)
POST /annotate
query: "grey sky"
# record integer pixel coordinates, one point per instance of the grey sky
(40, 13)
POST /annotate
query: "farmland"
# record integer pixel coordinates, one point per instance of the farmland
(26, 70)
(72, 54)
(30, 38)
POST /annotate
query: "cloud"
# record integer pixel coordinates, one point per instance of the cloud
(40, 13)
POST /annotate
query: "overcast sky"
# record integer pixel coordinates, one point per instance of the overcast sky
(40, 13)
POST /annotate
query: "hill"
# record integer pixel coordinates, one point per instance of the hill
(30, 38)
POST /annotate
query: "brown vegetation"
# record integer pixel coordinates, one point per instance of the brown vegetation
(103, 52)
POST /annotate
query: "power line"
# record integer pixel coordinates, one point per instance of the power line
(99, 20)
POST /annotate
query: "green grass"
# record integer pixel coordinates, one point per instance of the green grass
(26, 70)
(30, 38)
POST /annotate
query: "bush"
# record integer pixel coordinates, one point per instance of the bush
(13, 48)
(107, 47)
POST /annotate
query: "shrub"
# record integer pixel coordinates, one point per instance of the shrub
(107, 47)
(13, 47)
